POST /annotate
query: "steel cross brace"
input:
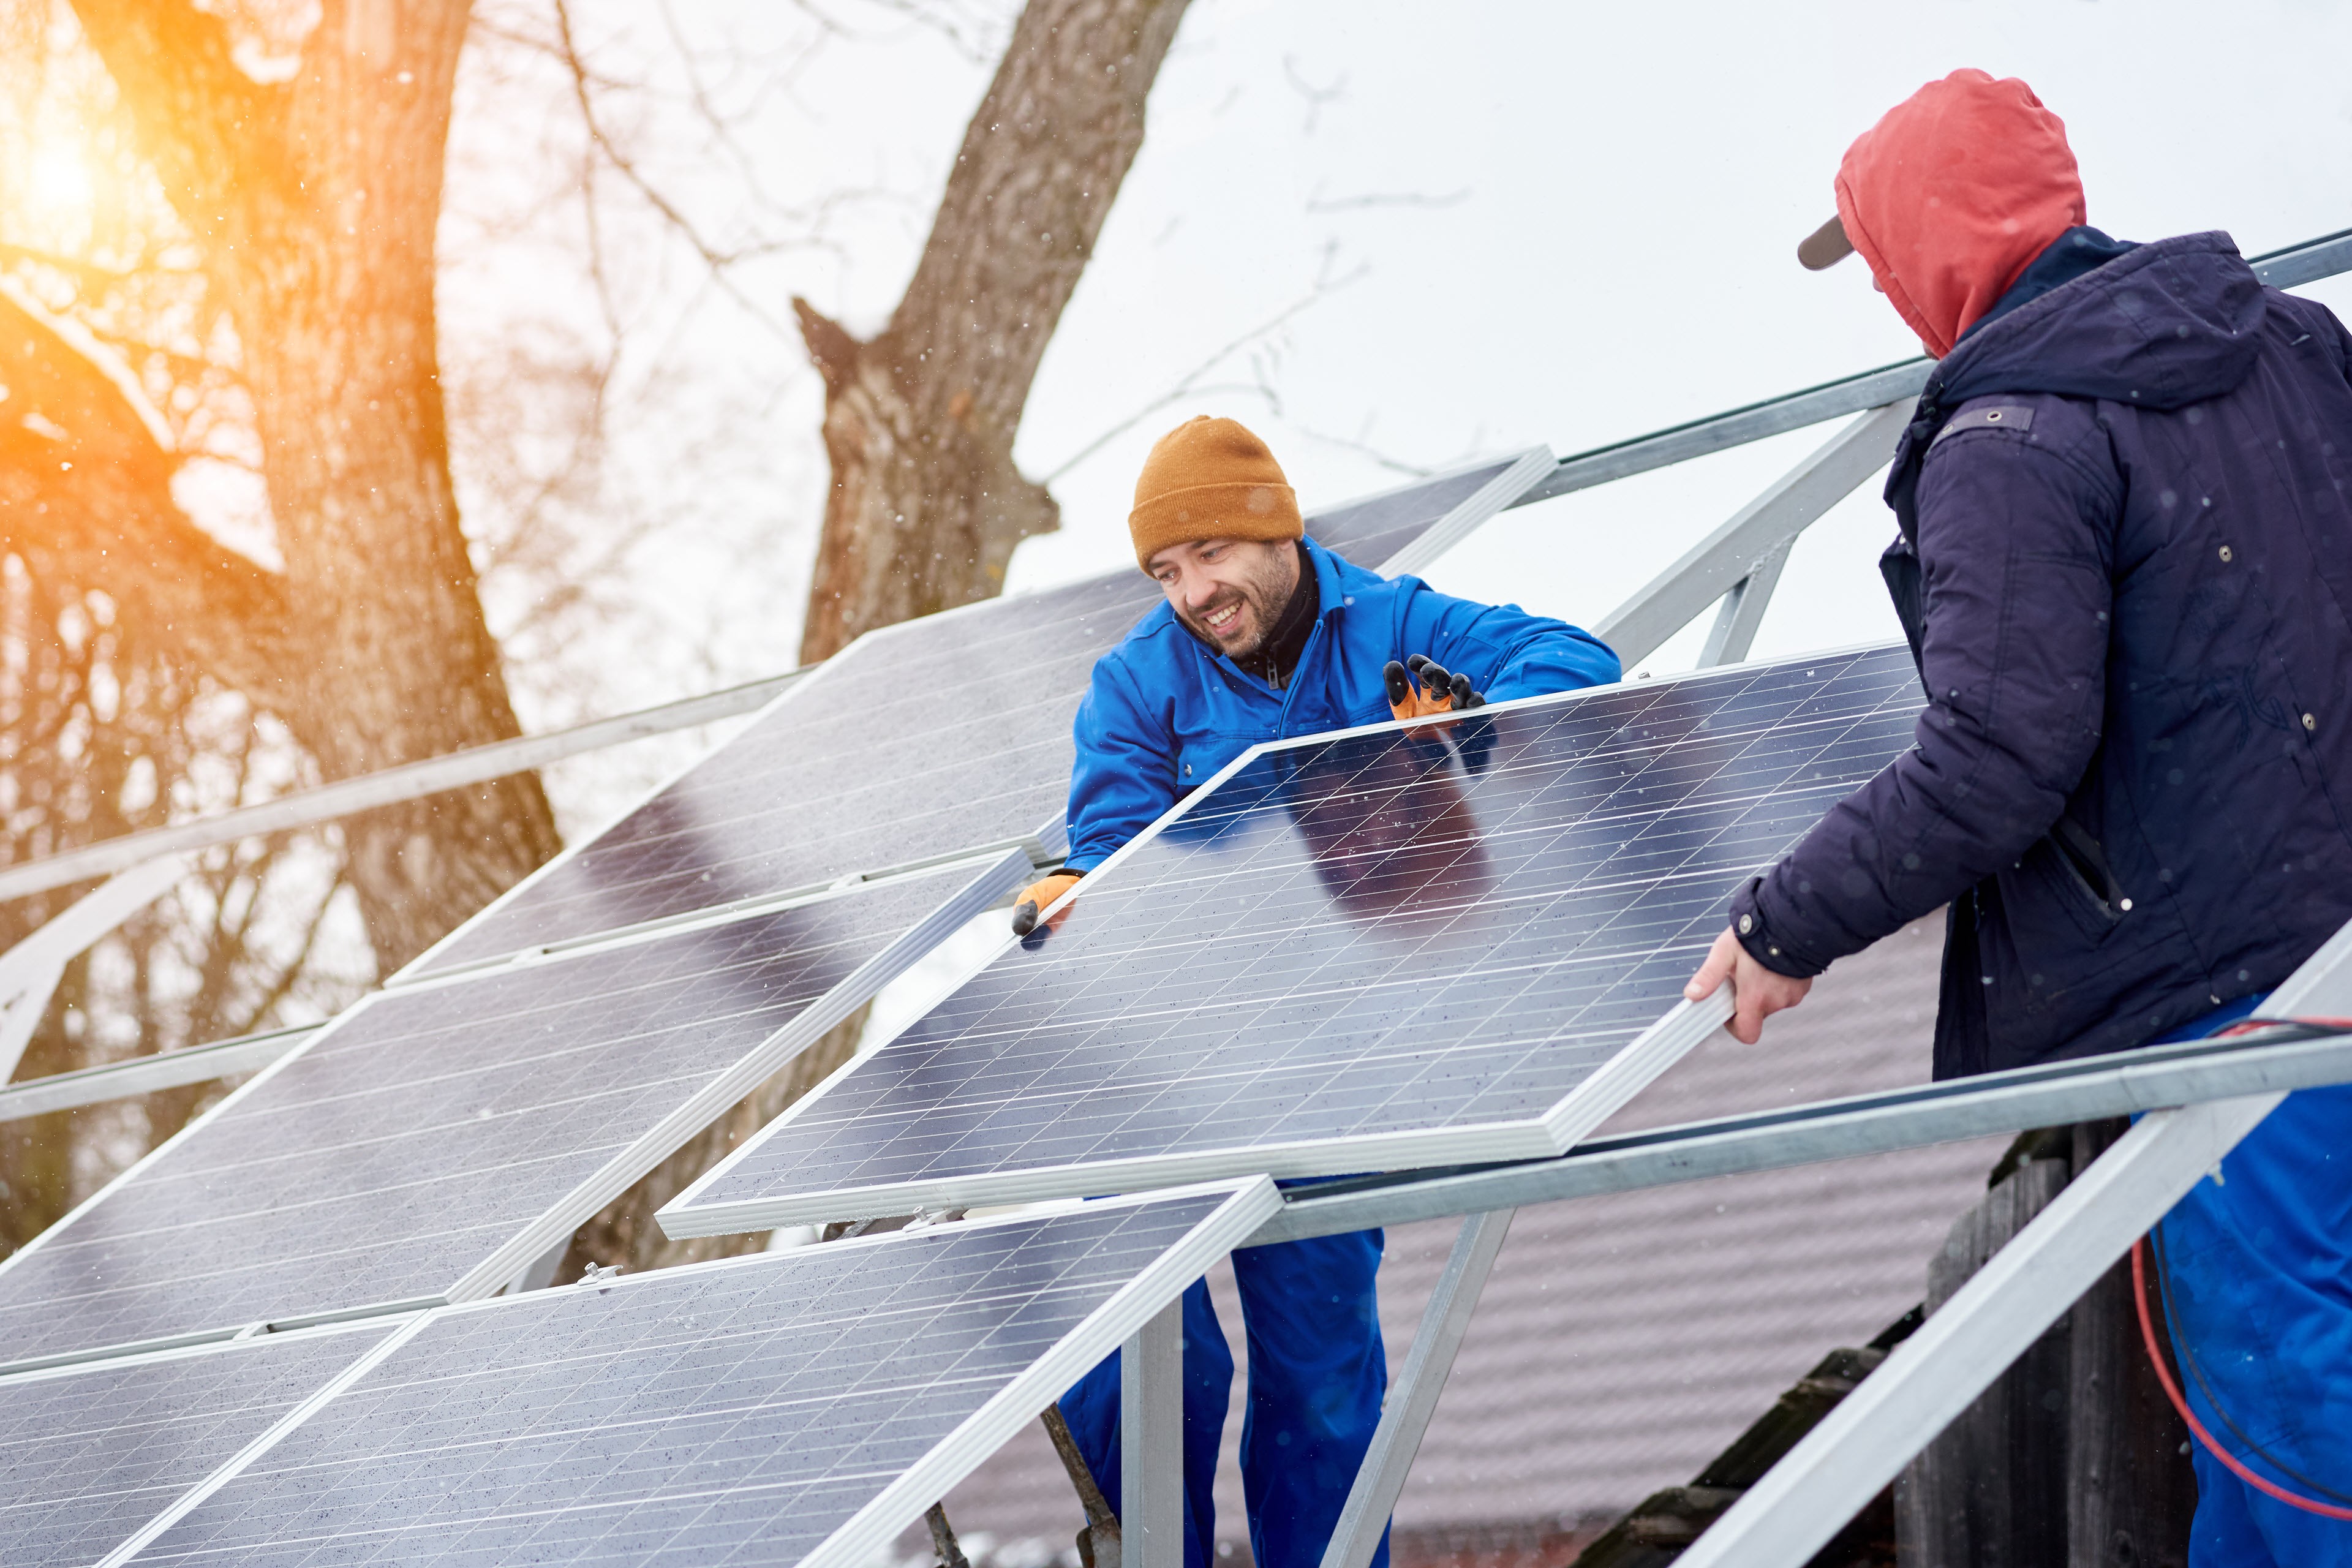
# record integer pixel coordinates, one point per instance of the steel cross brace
(1412, 1399)
(1742, 558)
(1938, 1372)
(29, 972)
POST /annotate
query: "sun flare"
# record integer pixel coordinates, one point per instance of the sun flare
(60, 183)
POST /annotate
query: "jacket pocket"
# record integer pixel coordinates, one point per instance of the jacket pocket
(2066, 868)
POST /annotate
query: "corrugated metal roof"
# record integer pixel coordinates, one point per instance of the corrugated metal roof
(1622, 1341)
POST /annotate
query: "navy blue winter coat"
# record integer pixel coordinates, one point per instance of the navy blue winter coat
(1165, 712)
(2127, 572)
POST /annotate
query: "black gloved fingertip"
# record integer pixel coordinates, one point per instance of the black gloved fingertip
(1461, 690)
(1475, 699)
(1024, 917)
(1399, 685)
(1415, 662)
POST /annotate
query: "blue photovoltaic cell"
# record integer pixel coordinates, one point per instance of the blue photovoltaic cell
(430, 1127)
(738, 1413)
(1350, 940)
(90, 1454)
(932, 736)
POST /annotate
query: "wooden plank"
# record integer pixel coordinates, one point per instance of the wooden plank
(1990, 1492)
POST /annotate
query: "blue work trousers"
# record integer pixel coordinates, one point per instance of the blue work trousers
(2258, 1276)
(1317, 1372)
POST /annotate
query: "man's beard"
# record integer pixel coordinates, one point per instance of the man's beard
(1264, 596)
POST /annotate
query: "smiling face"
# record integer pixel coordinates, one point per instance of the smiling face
(1230, 592)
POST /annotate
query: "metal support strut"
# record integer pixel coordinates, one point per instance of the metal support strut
(1151, 1443)
(1413, 1400)
(1938, 1372)
(29, 972)
(1742, 558)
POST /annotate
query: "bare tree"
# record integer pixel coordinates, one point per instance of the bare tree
(927, 504)
(99, 735)
(310, 206)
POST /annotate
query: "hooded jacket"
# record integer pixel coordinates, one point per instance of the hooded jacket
(2127, 572)
(1953, 194)
(1165, 711)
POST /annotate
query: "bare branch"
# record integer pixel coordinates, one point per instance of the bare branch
(85, 490)
(1317, 97)
(713, 258)
(212, 133)
(1188, 383)
(1399, 199)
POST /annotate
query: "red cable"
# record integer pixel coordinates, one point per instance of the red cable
(2172, 1391)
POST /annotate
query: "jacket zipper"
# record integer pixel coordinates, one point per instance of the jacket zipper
(1290, 688)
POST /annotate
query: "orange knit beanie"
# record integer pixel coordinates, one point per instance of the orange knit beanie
(1210, 479)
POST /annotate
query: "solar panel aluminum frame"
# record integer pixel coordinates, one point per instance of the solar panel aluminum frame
(869, 1532)
(1039, 848)
(1526, 469)
(276, 1432)
(239, 1346)
(502, 1266)
(1610, 1088)
(1050, 841)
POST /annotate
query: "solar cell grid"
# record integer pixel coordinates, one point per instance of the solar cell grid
(437, 1137)
(1373, 950)
(939, 734)
(90, 1454)
(796, 1407)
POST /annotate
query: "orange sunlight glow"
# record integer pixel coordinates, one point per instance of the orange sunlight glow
(59, 182)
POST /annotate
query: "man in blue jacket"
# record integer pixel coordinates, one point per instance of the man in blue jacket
(2125, 570)
(1264, 635)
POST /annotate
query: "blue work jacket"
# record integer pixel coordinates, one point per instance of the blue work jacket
(1165, 712)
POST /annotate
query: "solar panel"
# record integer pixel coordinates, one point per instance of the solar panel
(935, 735)
(1373, 950)
(437, 1137)
(90, 1454)
(793, 1409)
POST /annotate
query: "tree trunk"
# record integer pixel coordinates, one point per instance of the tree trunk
(625, 1233)
(316, 203)
(927, 504)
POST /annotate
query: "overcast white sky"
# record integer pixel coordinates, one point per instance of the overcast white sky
(1565, 223)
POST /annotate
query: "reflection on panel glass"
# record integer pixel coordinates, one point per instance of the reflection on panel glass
(741, 1412)
(89, 1455)
(1390, 935)
(930, 737)
(430, 1127)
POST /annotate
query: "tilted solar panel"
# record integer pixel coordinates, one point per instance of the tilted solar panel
(436, 1139)
(90, 1454)
(1368, 951)
(935, 735)
(799, 1408)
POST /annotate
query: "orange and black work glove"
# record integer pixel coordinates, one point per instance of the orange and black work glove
(1036, 896)
(1437, 691)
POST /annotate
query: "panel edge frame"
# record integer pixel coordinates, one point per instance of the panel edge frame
(1160, 1282)
(277, 1432)
(657, 1143)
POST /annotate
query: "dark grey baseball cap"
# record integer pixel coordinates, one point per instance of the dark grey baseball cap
(1825, 246)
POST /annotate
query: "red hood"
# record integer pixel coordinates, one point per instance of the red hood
(1954, 194)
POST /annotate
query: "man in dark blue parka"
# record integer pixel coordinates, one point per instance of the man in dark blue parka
(2125, 570)
(1265, 635)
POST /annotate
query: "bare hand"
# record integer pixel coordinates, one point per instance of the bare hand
(1757, 993)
